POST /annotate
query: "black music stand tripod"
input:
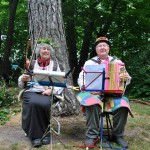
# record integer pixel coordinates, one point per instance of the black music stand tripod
(103, 114)
(102, 138)
(50, 128)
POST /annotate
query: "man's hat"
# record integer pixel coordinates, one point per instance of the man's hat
(102, 39)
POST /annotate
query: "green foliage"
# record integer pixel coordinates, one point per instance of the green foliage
(47, 41)
(4, 115)
(20, 35)
(127, 24)
(141, 84)
(7, 95)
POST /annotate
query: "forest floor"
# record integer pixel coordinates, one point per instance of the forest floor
(73, 128)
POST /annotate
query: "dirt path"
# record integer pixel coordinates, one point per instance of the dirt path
(11, 133)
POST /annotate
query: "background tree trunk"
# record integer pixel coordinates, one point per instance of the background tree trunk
(0, 39)
(69, 13)
(47, 15)
(6, 64)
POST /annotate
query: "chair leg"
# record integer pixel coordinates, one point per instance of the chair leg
(108, 126)
(107, 123)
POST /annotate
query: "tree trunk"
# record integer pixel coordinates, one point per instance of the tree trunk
(6, 64)
(86, 43)
(0, 39)
(69, 14)
(88, 31)
(46, 15)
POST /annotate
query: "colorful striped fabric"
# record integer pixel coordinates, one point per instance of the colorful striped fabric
(88, 99)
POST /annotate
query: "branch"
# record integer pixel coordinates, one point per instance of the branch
(140, 101)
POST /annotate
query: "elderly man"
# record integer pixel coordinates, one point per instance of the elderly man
(120, 107)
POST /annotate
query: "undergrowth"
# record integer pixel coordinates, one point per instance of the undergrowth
(8, 97)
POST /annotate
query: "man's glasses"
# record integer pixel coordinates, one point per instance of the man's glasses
(102, 45)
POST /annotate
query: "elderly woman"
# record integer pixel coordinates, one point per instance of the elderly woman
(36, 99)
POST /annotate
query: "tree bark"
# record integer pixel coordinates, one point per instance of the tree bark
(46, 15)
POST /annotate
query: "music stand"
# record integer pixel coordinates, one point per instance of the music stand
(50, 78)
(92, 83)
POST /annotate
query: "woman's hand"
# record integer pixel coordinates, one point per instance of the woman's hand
(47, 92)
(25, 78)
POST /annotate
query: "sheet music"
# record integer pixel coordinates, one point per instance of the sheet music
(50, 78)
(93, 77)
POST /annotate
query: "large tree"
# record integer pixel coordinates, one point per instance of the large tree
(45, 21)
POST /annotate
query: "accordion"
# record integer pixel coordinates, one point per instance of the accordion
(105, 78)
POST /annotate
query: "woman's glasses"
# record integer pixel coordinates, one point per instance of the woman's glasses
(45, 48)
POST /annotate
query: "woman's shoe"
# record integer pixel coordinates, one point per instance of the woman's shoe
(46, 140)
(36, 143)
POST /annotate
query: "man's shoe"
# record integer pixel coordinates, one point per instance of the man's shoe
(91, 142)
(36, 143)
(46, 140)
(121, 141)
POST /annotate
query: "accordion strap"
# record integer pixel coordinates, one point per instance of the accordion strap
(98, 61)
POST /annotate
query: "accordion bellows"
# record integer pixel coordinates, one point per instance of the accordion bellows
(113, 82)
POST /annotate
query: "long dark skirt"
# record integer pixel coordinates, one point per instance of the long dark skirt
(35, 114)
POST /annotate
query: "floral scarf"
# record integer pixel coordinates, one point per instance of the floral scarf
(43, 63)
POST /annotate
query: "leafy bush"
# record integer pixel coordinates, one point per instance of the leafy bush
(4, 116)
(8, 95)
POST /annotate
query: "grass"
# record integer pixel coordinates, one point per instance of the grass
(139, 127)
(137, 132)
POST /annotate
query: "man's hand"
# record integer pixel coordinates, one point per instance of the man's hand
(26, 78)
(124, 76)
(47, 92)
(96, 93)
